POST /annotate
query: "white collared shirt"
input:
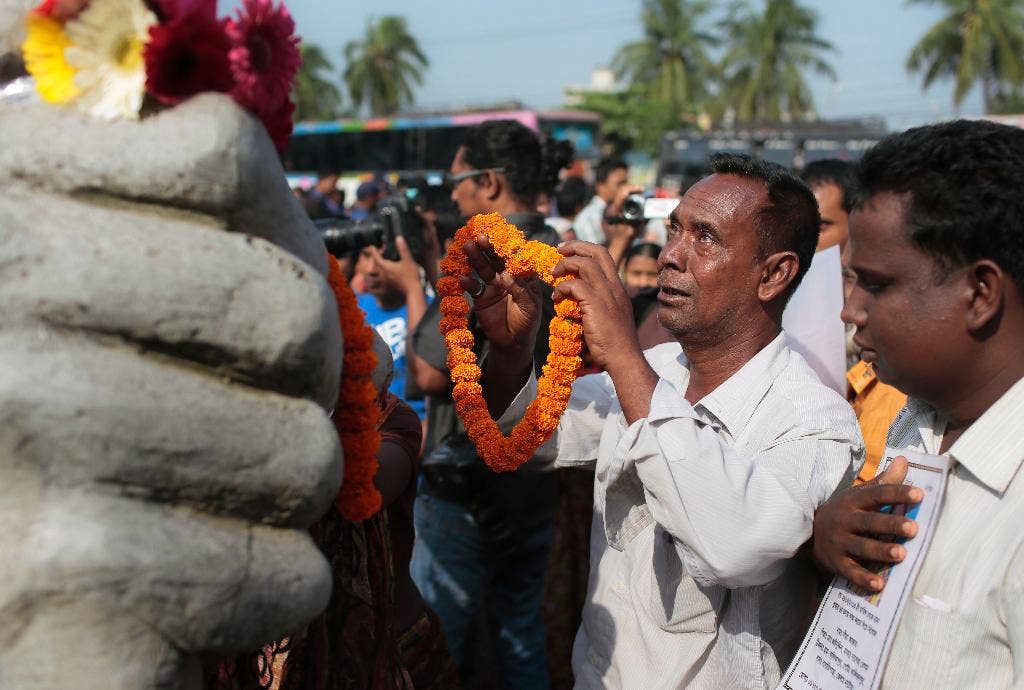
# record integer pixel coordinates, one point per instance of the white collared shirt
(964, 624)
(588, 222)
(698, 513)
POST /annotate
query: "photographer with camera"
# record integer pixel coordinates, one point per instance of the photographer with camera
(391, 245)
(394, 303)
(483, 538)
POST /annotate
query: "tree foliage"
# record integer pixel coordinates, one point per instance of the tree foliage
(975, 41)
(672, 79)
(767, 56)
(316, 95)
(629, 121)
(383, 66)
(670, 67)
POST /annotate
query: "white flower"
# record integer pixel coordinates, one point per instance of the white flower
(107, 40)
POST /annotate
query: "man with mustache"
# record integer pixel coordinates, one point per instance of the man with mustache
(936, 245)
(711, 453)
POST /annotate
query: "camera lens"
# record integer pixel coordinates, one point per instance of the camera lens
(633, 207)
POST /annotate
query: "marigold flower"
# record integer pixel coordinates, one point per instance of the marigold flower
(460, 356)
(450, 323)
(454, 306)
(566, 346)
(448, 286)
(563, 328)
(466, 372)
(460, 337)
(569, 309)
(357, 414)
(358, 363)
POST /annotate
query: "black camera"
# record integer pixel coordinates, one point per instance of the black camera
(394, 216)
(639, 209)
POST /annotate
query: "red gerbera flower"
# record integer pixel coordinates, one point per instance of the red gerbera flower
(279, 123)
(169, 10)
(264, 54)
(186, 56)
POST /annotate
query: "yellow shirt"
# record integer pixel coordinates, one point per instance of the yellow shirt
(876, 404)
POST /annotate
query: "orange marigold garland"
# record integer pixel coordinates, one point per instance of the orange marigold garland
(357, 415)
(522, 258)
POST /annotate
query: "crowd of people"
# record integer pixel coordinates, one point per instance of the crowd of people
(705, 482)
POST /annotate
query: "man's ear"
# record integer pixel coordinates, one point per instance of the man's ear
(490, 184)
(778, 272)
(987, 285)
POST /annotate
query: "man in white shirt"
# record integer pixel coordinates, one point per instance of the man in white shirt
(610, 176)
(937, 245)
(709, 466)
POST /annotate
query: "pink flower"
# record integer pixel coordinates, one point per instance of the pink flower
(264, 55)
(186, 56)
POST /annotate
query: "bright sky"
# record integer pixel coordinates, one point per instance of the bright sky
(483, 52)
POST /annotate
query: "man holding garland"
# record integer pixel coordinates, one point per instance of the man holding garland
(711, 453)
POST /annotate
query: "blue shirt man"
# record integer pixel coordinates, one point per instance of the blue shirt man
(392, 325)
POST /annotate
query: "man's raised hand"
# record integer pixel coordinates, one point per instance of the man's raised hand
(508, 309)
(608, 324)
(404, 273)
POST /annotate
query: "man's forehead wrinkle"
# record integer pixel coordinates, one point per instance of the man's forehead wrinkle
(722, 199)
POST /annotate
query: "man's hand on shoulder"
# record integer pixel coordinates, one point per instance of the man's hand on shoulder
(850, 531)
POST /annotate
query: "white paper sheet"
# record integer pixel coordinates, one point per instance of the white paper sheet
(811, 320)
(848, 643)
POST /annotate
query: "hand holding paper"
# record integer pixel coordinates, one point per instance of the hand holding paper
(849, 641)
(847, 527)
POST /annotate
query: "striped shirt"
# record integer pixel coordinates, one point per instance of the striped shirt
(964, 624)
(698, 513)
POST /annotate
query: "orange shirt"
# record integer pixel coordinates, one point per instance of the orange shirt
(876, 404)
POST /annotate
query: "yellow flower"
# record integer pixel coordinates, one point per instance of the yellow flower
(43, 51)
(106, 49)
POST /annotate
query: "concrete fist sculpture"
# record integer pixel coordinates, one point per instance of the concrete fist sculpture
(163, 392)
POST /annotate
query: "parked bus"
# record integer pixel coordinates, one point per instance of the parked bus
(418, 144)
(684, 155)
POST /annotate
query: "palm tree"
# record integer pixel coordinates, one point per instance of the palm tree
(977, 40)
(382, 66)
(316, 96)
(670, 65)
(765, 60)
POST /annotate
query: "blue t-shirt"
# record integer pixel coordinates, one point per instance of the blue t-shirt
(392, 326)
